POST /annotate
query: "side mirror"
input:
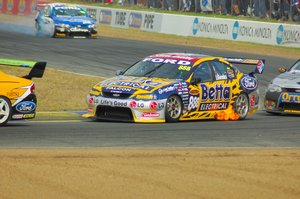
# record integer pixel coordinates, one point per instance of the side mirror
(196, 81)
(119, 72)
(282, 69)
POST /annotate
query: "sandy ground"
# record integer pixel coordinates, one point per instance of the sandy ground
(149, 173)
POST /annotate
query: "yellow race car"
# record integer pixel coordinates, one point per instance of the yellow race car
(17, 97)
(175, 87)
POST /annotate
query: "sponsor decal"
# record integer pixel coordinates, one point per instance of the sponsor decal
(131, 84)
(290, 97)
(208, 27)
(260, 66)
(185, 68)
(249, 83)
(194, 92)
(117, 103)
(134, 104)
(135, 20)
(166, 89)
(167, 61)
(221, 77)
(193, 103)
(149, 21)
(105, 17)
(270, 105)
(118, 89)
(252, 101)
(250, 31)
(145, 97)
(287, 36)
(17, 116)
(217, 92)
(150, 114)
(26, 116)
(25, 107)
(214, 106)
(91, 100)
(120, 18)
(22, 116)
(235, 30)
(291, 111)
(153, 105)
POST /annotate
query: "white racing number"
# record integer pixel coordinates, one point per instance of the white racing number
(193, 103)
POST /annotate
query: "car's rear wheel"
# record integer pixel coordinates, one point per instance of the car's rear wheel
(173, 108)
(5, 110)
(241, 106)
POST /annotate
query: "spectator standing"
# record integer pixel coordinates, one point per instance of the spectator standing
(243, 6)
(260, 8)
(296, 10)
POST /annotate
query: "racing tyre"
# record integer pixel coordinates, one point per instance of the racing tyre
(241, 106)
(173, 108)
(5, 110)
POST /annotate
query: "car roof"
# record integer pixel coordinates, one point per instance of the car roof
(63, 5)
(182, 56)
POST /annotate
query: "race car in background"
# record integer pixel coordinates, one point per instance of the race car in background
(17, 97)
(175, 87)
(64, 20)
(283, 94)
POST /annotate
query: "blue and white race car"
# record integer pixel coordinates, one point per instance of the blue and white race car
(64, 20)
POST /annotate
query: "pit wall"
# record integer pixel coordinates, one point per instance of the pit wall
(228, 29)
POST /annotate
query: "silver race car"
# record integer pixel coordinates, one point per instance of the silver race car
(283, 94)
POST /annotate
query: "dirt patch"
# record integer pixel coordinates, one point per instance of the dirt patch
(149, 173)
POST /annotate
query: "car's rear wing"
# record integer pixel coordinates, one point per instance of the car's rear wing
(37, 70)
(260, 63)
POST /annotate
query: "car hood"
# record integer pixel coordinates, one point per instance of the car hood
(129, 84)
(73, 20)
(288, 80)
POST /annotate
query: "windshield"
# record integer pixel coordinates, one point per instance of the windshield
(69, 11)
(160, 70)
(296, 67)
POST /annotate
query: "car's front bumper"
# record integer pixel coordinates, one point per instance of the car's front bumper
(75, 32)
(126, 109)
(282, 102)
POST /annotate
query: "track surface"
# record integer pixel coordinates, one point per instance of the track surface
(103, 57)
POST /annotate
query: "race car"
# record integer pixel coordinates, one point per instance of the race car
(17, 97)
(173, 87)
(64, 20)
(283, 93)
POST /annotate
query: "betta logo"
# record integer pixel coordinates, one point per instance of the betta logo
(249, 83)
(217, 92)
(26, 107)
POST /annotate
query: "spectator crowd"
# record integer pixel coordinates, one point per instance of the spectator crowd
(270, 9)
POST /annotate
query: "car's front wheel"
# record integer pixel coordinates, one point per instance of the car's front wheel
(241, 106)
(5, 110)
(173, 108)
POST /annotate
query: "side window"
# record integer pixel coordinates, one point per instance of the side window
(222, 71)
(45, 11)
(203, 72)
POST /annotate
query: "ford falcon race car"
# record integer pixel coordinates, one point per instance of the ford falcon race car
(64, 20)
(175, 87)
(17, 97)
(283, 94)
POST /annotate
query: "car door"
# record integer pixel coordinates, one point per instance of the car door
(217, 95)
(202, 76)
